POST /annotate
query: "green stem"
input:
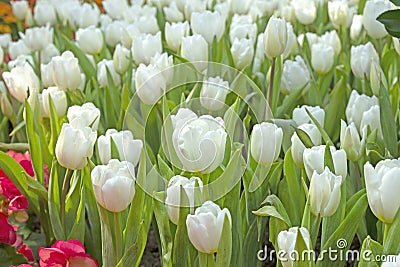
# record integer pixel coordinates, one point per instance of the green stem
(64, 191)
(206, 260)
(315, 229)
(271, 83)
(386, 232)
(118, 236)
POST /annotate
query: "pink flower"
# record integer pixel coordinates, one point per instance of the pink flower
(7, 232)
(27, 252)
(66, 253)
(23, 265)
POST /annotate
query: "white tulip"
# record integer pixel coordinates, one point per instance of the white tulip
(174, 33)
(90, 40)
(67, 11)
(150, 83)
(46, 71)
(322, 57)
(146, 46)
(298, 147)
(305, 11)
(300, 115)
(19, 9)
(265, 143)
(205, 226)
(314, 160)
(357, 105)
(116, 32)
(275, 37)
(340, 13)
(44, 12)
(17, 49)
(121, 59)
(5, 40)
(129, 149)
(165, 64)
(332, 39)
(382, 183)
(172, 13)
(295, 75)
(361, 59)
(200, 143)
(291, 45)
(87, 115)
(21, 60)
(312, 38)
(173, 199)
(195, 48)
(66, 71)
(213, 93)
(350, 140)
(287, 243)
(371, 118)
(21, 79)
(115, 8)
(59, 99)
(215, 22)
(239, 6)
(356, 27)
(38, 38)
(114, 185)
(48, 53)
(87, 15)
(192, 6)
(242, 27)
(75, 145)
(372, 9)
(102, 77)
(242, 53)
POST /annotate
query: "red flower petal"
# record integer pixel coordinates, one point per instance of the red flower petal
(70, 248)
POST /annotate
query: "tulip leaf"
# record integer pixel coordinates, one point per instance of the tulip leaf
(328, 160)
(54, 125)
(35, 186)
(225, 245)
(324, 135)
(270, 211)
(391, 20)
(392, 244)
(388, 122)
(370, 249)
(9, 256)
(78, 229)
(73, 207)
(133, 254)
(180, 251)
(304, 138)
(164, 169)
(251, 245)
(396, 2)
(289, 102)
(275, 202)
(107, 248)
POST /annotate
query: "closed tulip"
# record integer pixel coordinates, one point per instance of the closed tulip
(66, 71)
(44, 12)
(242, 53)
(305, 11)
(295, 75)
(87, 115)
(361, 59)
(298, 147)
(266, 142)
(144, 47)
(128, 149)
(90, 40)
(213, 93)
(322, 57)
(150, 83)
(356, 27)
(114, 185)
(356, 107)
(172, 13)
(116, 32)
(372, 9)
(324, 193)
(382, 183)
(371, 119)
(38, 38)
(300, 115)
(165, 64)
(102, 77)
(21, 79)
(287, 240)
(5, 40)
(121, 59)
(173, 199)
(340, 14)
(59, 99)
(350, 140)
(242, 27)
(19, 9)
(87, 15)
(205, 227)
(48, 53)
(174, 33)
(215, 21)
(332, 39)
(195, 48)
(314, 160)
(17, 49)
(199, 142)
(46, 72)
(275, 37)
(115, 8)
(75, 145)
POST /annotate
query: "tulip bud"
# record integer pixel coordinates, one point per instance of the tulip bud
(376, 76)
(38, 38)
(356, 27)
(297, 145)
(381, 183)
(17, 49)
(66, 72)
(129, 149)
(48, 53)
(121, 59)
(114, 185)
(361, 59)
(115, 8)
(174, 34)
(239, 6)
(192, 6)
(305, 11)
(242, 53)
(195, 48)
(312, 38)
(5, 40)
(350, 141)
(19, 80)
(5, 105)
(371, 118)
(144, 47)
(19, 9)
(172, 13)
(21, 61)
(205, 226)
(265, 143)
(372, 9)
(314, 160)
(150, 84)
(44, 13)
(165, 64)
(87, 15)
(357, 105)
(322, 57)
(47, 75)
(102, 77)
(287, 241)
(295, 75)
(275, 37)
(396, 44)
(90, 40)
(324, 193)
(173, 198)
(215, 21)
(116, 32)
(213, 93)
(332, 39)
(300, 115)
(59, 99)
(199, 142)
(339, 13)
(242, 27)
(87, 115)
(75, 145)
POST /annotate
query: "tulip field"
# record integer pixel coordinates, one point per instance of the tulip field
(199, 133)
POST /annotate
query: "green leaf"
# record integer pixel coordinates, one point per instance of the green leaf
(391, 20)
(275, 202)
(181, 241)
(371, 249)
(335, 110)
(54, 203)
(78, 229)
(133, 254)
(270, 211)
(392, 244)
(388, 122)
(289, 102)
(225, 245)
(304, 138)
(396, 2)
(9, 256)
(324, 135)
(328, 160)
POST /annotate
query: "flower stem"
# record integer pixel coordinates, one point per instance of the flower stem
(386, 232)
(64, 191)
(206, 260)
(271, 83)
(118, 236)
